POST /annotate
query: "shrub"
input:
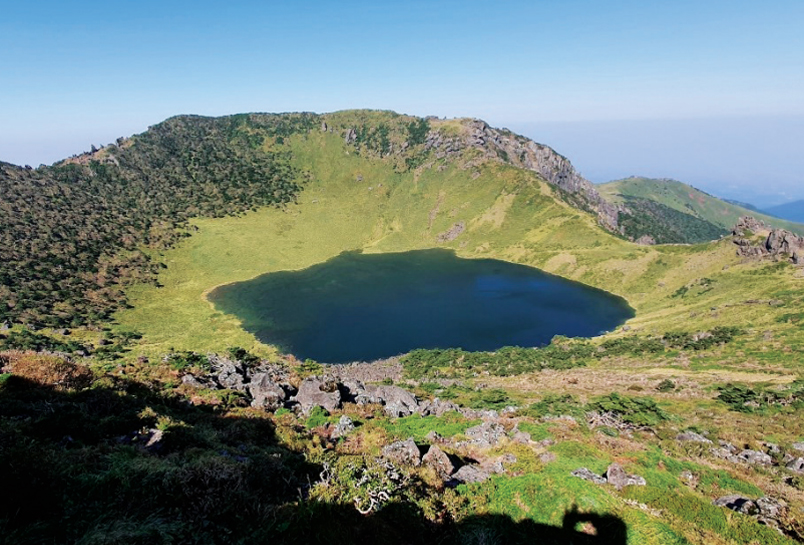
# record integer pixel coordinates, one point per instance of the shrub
(47, 370)
(666, 385)
(640, 411)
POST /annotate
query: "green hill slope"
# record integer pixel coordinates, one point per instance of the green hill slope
(688, 200)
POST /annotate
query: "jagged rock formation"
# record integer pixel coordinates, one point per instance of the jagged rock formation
(503, 145)
(777, 242)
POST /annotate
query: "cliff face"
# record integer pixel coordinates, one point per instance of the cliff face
(522, 152)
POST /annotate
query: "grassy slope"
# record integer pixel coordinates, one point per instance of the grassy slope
(685, 198)
(509, 214)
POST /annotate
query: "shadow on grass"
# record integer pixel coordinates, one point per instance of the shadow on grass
(89, 467)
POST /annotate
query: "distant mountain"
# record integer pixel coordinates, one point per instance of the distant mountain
(743, 205)
(718, 214)
(791, 211)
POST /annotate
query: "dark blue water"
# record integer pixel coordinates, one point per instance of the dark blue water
(362, 307)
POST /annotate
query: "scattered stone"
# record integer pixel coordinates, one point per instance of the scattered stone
(738, 503)
(434, 437)
(452, 233)
(154, 442)
(691, 436)
(728, 446)
(725, 454)
(771, 507)
(547, 457)
(439, 461)
(617, 476)
(587, 475)
(436, 407)
(265, 393)
(755, 457)
(403, 452)
(192, 381)
(485, 435)
(5, 326)
(796, 465)
(798, 446)
(521, 437)
(471, 474)
(688, 477)
(229, 374)
(344, 427)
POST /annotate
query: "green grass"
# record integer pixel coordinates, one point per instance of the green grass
(418, 426)
(685, 198)
(509, 215)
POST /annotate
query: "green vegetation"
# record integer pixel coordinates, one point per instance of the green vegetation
(687, 200)
(744, 398)
(562, 353)
(640, 411)
(664, 224)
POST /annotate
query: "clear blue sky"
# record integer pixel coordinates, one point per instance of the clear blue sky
(74, 74)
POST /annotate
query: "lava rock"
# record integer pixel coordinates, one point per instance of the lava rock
(471, 474)
(587, 475)
(691, 436)
(265, 393)
(486, 435)
(403, 452)
(439, 461)
(617, 476)
(343, 427)
(318, 392)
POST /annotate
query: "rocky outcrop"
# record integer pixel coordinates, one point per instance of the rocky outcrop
(503, 145)
(616, 476)
(403, 453)
(778, 243)
(438, 460)
(452, 233)
(315, 391)
(343, 427)
(471, 474)
(588, 475)
(265, 393)
(766, 510)
(691, 436)
(485, 435)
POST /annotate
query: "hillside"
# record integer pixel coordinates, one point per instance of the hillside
(697, 205)
(791, 211)
(132, 410)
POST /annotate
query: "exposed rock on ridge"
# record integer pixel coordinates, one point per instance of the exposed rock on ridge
(522, 152)
(778, 242)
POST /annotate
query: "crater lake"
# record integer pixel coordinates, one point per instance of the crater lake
(364, 307)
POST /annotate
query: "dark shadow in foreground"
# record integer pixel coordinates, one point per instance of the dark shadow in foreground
(88, 466)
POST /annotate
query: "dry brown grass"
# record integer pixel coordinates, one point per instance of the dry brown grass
(46, 370)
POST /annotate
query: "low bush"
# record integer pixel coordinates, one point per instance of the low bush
(640, 411)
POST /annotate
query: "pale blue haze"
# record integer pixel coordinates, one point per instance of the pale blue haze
(74, 74)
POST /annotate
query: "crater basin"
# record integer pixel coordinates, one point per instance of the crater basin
(363, 307)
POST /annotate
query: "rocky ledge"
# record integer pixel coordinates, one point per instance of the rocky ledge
(778, 243)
